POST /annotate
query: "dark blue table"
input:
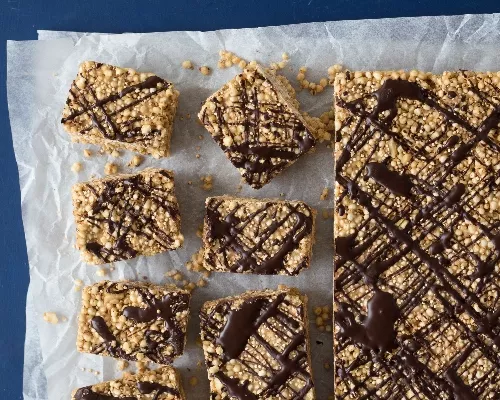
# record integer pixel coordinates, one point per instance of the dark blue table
(19, 20)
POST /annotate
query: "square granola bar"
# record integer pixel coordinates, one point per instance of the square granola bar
(260, 236)
(161, 384)
(120, 108)
(257, 123)
(133, 321)
(123, 216)
(417, 235)
(256, 346)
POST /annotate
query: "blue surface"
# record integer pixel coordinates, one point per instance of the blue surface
(20, 19)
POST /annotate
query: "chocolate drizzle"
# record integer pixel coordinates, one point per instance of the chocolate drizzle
(239, 337)
(150, 387)
(85, 101)
(117, 196)
(385, 255)
(231, 236)
(164, 309)
(259, 158)
(86, 393)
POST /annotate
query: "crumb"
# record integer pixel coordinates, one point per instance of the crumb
(324, 194)
(141, 366)
(325, 214)
(76, 167)
(50, 317)
(200, 137)
(198, 156)
(207, 182)
(193, 381)
(110, 169)
(187, 64)
(78, 285)
(205, 70)
(121, 365)
(115, 154)
(190, 286)
(87, 153)
(327, 365)
(102, 272)
(190, 182)
(201, 283)
(177, 276)
(135, 161)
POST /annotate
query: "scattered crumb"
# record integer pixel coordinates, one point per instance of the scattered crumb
(190, 182)
(115, 154)
(227, 59)
(199, 231)
(325, 214)
(112, 268)
(77, 167)
(78, 285)
(141, 366)
(207, 182)
(87, 153)
(324, 194)
(196, 263)
(50, 317)
(323, 318)
(282, 194)
(102, 272)
(201, 283)
(200, 363)
(110, 169)
(187, 64)
(193, 381)
(200, 137)
(190, 286)
(327, 365)
(198, 155)
(64, 319)
(135, 161)
(205, 70)
(121, 365)
(188, 116)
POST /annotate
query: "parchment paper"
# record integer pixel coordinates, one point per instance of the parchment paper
(39, 76)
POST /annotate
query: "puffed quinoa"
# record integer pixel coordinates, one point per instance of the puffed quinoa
(417, 244)
(87, 153)
(248, 342)
(135, 161)
(187, 64)
(152, 194)
(161, 384)
(286, 250)
(50, 317)
(110, 169)
(120, 108)
(205, 70)
(134, 321)
(76, 167)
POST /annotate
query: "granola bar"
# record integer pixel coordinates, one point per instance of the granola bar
(161, 384)
(256, 122)
(120, 108)
(133, 321)
(123, 216)
(256, 346)
(260, 236)
(417, 235)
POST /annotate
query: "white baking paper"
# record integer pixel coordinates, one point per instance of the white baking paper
(39, 75)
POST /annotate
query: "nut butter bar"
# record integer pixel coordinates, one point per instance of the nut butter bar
(256, 346)
(260, 236)
(133, 321)
(161, 384)
(256, 122)
(417, 235)
(120, 108)
(123, 216)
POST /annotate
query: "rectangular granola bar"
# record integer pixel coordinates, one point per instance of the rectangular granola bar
(417, 235)
(260, 236)
(120, 108)
(256, 346)
(133, 321)
(255, 119)
(123, 216)
(161, 384)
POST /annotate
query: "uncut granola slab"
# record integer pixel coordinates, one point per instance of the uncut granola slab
(123, 216)
(417, 236)
(120, 108)
(256, 122)
(256, 346)
(161, 384)
(133, 321)
(260, 236)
